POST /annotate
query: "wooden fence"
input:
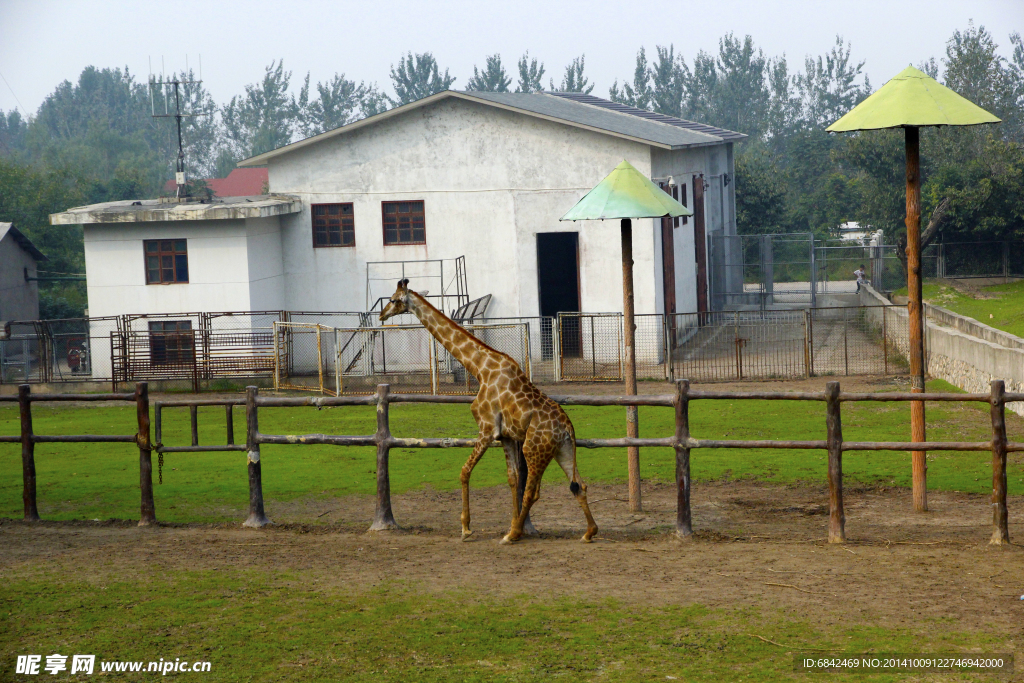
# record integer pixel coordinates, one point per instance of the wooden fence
(384, 441)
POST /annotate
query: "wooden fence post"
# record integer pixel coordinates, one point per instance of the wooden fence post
(193, 418)
(684, 523)
(383, 518)
(230, 415)
(28, 454)
(257, 518)
(147, 508)
(834, 424)
(997, 409)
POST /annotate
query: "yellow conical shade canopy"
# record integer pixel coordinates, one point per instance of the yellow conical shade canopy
(625, 193)
(912, 98)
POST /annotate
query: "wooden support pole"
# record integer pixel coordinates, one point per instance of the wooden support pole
(383, 518)
(919, 466)
(834, 424)
(28, 454)
(632, 414)
(997, 409)
(684, 522)
(147, 512)
(257, 517)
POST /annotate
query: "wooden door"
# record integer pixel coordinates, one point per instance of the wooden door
(700, 243)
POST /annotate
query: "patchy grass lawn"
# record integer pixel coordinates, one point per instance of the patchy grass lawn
(100, 481)
(258, 625)
(1003, 309)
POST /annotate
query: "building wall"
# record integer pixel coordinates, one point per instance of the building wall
(719, 205)
(490, 179)
(265, 264)
(19, 300)
(234, 265)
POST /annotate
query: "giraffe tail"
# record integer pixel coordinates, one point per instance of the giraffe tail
(574, 484)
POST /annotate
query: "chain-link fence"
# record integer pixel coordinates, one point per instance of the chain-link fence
(354, 360)
(68, 350)
(740, 345)
(973, 260)
(196, 351)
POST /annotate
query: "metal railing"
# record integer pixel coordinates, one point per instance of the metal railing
(383, 440)
(743, 345)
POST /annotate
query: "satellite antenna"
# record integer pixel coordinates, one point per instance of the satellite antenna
(166, 86)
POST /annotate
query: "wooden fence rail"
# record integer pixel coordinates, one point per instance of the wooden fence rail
(681, 441)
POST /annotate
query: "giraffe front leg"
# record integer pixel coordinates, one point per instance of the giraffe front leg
(478, 452)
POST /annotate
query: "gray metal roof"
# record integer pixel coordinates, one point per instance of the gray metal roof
(727, 135)
(610, 117)
(573, 109)
(150, 210)
(22, 241)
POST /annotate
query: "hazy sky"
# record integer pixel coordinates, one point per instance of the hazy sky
(44, 42)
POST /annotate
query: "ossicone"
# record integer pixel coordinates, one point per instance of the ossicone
(403, 283)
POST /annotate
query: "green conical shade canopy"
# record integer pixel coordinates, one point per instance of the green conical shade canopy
(625, 193)
(912, 98)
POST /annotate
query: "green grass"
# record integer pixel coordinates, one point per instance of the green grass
(255, 625)
(1005, 312)
(100, 481)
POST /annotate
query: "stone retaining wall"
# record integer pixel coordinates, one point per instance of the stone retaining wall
(962, 351)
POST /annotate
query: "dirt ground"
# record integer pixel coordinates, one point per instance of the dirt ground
(756, 545)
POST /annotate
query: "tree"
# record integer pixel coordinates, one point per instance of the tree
(30, 194)
(574, 80)
(530, 73)
(492, 79)
(416, 77)
(12, 132)
(828, 86)
(743, 98)
(338, 102)
(760, 195)
(667, 83)
(264, 118)
(783, 105)
(976, 71)
(639, 94)
(699, 88)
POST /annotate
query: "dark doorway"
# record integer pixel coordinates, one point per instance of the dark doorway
(558, 279)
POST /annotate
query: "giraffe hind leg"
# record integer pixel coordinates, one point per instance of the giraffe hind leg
(517, 470)
(566, 458)
(530, 496)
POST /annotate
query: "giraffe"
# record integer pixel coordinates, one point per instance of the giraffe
(507, 407)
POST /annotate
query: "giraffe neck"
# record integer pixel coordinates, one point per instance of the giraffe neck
(466, 348)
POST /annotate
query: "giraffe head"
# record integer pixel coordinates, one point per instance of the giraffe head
(399, 301)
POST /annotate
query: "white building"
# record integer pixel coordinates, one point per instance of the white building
(480, 175)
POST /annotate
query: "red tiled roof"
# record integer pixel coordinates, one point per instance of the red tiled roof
(241, 182)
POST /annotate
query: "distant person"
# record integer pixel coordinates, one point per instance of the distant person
(860, 276)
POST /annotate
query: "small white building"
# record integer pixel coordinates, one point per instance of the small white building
(480, 175)
(19, 295)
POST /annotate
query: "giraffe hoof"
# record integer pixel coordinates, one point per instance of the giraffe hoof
(530, 530)
(587, 539)
(466, 534)
(508, 540)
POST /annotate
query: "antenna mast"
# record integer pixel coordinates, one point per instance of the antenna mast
(165, 86)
